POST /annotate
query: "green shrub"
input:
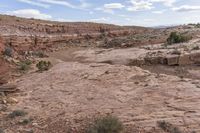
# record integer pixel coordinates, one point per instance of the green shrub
(25, 121)
(177, 38)
(8, 51)
(108, 124)
(43, 65)
(17, 113)
(25, 65)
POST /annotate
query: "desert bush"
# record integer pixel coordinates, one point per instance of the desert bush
(40, 54)
(25, 65)
(43, 65)
(17, 113)
(26, 121)
(168, 127)
(177, 38)
(108, 124)
(8, 51)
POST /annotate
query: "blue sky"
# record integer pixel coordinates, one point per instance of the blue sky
(121, 12)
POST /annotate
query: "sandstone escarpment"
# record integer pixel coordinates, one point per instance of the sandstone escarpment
(30, 34)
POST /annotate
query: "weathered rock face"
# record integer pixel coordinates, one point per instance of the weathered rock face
(29, 34)
(1, 45)
(139, 57)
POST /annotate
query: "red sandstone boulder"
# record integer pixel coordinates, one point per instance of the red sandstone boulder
(172, 60)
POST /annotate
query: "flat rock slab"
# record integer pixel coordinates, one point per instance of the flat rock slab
(8, 88)
(74, 91)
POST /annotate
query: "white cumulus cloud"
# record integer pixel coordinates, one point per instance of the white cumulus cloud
(47, 3)
(35, 3)
(165, 2)
(30, 13)
(114, 6)
(109, 8)
(186, 8)
(140, 5)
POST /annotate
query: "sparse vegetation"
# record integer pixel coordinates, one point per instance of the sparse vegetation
(8, 51)
(43, 65)
(177, 38)
(25, 65)
(39, 54)
(25, 121)
(17, 113)
(108, 124)
(168, 127)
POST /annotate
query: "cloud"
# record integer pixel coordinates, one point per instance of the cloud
(84, 4)
(30, 13)
(165, 2)
(114, 6)
(110, 11)
(109, 8)
(34, 3)
(48, 3)
(58, 2)
(140, 5)
(186, 8)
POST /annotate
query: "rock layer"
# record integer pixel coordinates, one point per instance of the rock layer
(75, 91)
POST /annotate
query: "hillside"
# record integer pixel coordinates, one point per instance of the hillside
(21, 26)
(60, 77)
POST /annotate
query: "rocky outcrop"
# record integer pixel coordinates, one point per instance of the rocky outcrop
(139, 57)
(30, 34)
(1, 45)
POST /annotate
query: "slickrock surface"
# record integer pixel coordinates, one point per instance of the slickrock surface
(72, 91)
(183, 54)
(92, 75)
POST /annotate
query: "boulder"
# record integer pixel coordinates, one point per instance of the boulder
(184, 60)
(8, 88)
(195, 57)
(172, 60)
